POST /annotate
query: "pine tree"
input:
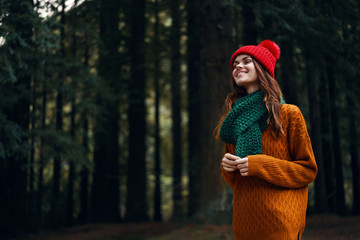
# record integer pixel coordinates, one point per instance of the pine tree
(136, 207)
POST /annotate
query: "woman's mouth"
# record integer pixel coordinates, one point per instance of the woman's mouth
(243, 72)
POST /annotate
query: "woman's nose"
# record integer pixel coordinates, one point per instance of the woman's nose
(239, 65)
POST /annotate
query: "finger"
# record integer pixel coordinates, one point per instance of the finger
(244, 174)
(231, 156)
(243, 165)
(229, 162)
(240, 166)
(243, 170)
(242, 161)
(229, 166)
(229, 169)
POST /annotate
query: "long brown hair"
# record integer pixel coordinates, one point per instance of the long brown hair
(271, 89)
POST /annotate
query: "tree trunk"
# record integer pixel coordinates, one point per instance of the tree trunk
(84, 173)
(312, 84)
(157, 193)
(13, 167)
(354, 154)
(56, 208)
(176, 110)
(106, 190)
(340, 193)
(236, 27)
(349, 32)
(71, 178)
(31, 180)
(327, 149)
(288, 72)
(193, 62)
(136, 208)
(249, 27)
(209, 46)
(41, 163)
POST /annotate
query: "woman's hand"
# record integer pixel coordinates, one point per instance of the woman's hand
(231, 163)
(243, 166)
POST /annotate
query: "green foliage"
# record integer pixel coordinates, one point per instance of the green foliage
(11, 140)
(15, 51)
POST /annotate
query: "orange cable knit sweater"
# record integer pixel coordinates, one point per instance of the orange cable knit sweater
(270, 203)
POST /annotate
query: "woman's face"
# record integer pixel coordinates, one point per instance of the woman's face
(245, 74)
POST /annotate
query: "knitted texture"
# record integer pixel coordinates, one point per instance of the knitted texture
(270, 203)
(266, 53)
(244, 124)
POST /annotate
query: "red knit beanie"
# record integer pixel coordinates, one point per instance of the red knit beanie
(266, 53)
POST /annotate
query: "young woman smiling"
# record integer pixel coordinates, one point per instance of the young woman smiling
(268, 157)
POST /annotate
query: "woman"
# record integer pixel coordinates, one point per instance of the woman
(268, 157)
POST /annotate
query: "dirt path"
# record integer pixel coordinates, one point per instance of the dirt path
(318, 227)
(326, 227)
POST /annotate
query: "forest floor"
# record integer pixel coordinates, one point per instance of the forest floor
(318, 227)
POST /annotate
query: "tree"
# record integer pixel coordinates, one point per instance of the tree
(351, 45)
(176, 110)
(327, 142)
(249, 27)
(16, 57)
(312, 83)
(71, 178)
(288, 72)
(56, 203)
(355, 166)
(339, 178)
(157, 172)
(136, 208)
(193, 62)
(42, 155)
(84, 172)
(208, 55)
(105, 191)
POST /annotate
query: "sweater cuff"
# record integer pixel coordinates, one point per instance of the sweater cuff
(254, 162)
(228, 176)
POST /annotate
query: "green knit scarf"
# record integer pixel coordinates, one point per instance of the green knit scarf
(244, 124)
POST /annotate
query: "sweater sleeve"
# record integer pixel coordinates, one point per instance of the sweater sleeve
(228, 176)
(295, 173)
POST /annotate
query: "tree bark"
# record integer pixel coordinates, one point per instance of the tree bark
(349, 32)
(193, 62)
(176, 110)
(339, 178)
(209, 51)
(327, 149)
(136, 207)
(157, 47)
(354, 154)
(55, 206)
(249, 27)
(41, 163)
(312, 85)
(288, 72)
(84, 173)
(106, 192)
(71, 178)
(31, 180)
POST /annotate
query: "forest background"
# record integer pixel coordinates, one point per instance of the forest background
(108, 107)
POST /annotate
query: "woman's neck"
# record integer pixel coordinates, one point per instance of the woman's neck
(251, 89)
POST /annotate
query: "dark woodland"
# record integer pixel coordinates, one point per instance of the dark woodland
(108, 107)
